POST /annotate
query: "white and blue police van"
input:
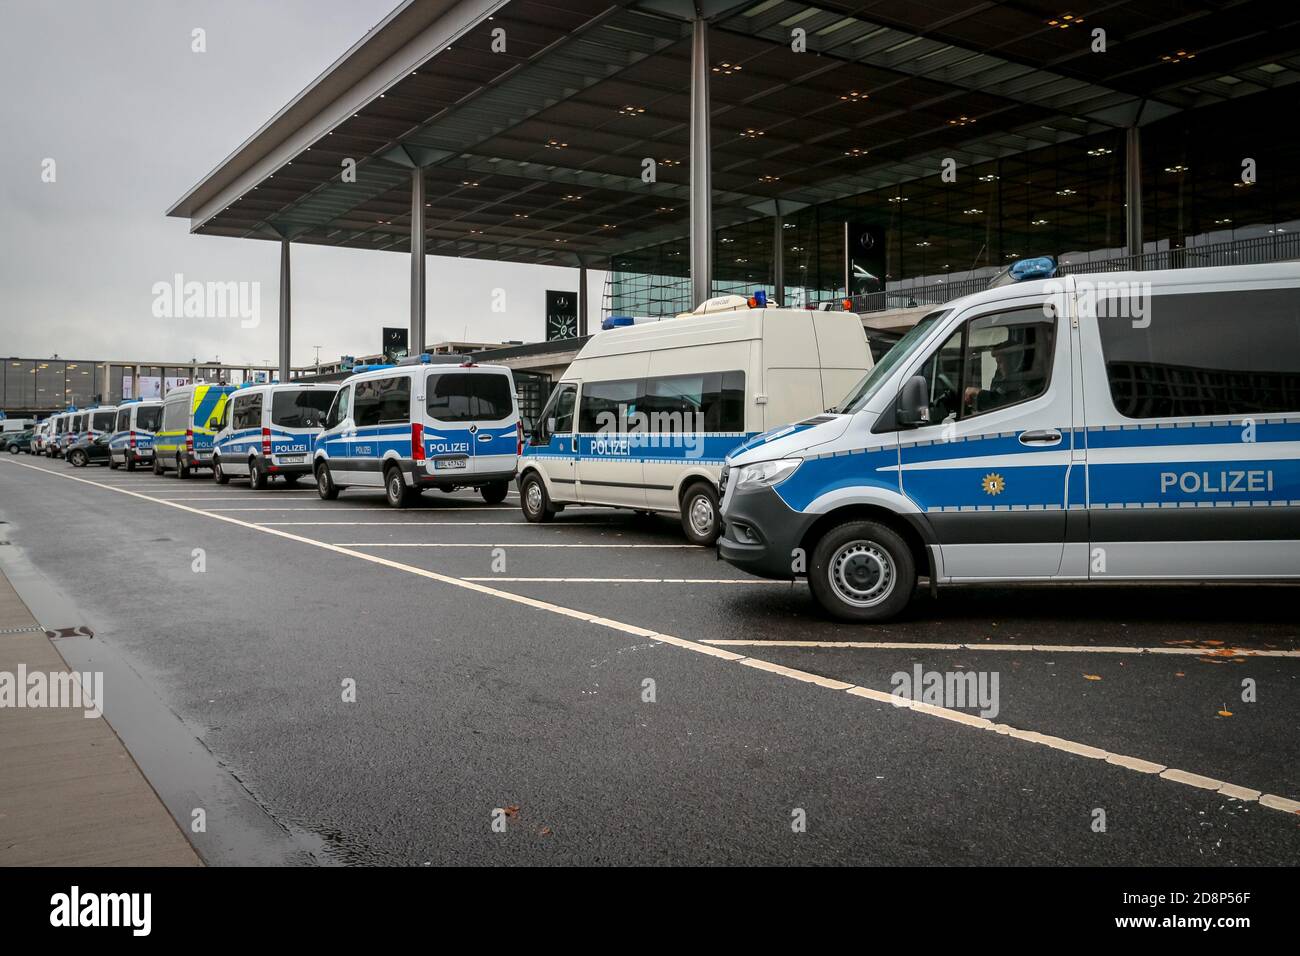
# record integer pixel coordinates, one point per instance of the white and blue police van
(55, 431)
(131, 443)
(646, 413)
(269, 431)
(1140, 426)
(428, 422)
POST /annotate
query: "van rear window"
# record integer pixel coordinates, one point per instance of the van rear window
(301, 409)
(468, 397)
(103, 421)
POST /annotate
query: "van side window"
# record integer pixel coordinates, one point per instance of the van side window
(383, 401)
(707, 402)
(611, 406)
(148, 419)
(123, 420)
(340, 407)
(1203, 353)
(300, 409)
(468, 397)
(560, 408)
(174, 415)
(248, 412)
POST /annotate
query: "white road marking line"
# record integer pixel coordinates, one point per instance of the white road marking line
(421, 524)
(1133, 764)
(630, 581)
(451, 544)
(1044, 648)
(373, 509)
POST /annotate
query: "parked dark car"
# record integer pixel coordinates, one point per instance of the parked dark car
(14, 442)
(89, 451)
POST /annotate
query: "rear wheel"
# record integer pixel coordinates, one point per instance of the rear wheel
(395, 490)
(112, 463)
(256, 474)
(862, 571)
(217, 473)
(157, 464)
(325, 486)
(14, 449)
(700, 513)
(182, 468)
(495, 493)
(78, 459)
(534, 499)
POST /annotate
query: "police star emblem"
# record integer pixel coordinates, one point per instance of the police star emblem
(993, 484)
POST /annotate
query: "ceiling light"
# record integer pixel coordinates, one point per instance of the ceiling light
(988, 178)
(570, 197)
(751, 133)
(972, 212)
(1065, 21)
(855, 152)
(1177, 57)
(1100, 151)
(1065, 192)
(853, 96)
(769, 179)
(1038, 222)
(898, 199)
(962, 120)
(726, 69)
(632, 110)
(556, 144)
(1180, 168)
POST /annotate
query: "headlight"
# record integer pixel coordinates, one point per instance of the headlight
(763, 474)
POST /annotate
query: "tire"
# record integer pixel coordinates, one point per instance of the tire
(862, 571)
(78, 459)
(495, 493)
(256, 475)
(700, 518)
(325, 486)
(14, 449)
(112, 464)
(221, 477)
(157, 464)
(534, 500)
(395, 491)
(182, 469)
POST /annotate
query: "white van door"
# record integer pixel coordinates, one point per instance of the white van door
(990, 472)
(609, 468)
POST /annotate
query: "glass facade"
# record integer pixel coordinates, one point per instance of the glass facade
(1066, 200)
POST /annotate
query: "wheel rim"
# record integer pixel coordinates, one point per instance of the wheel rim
(862, 573)
(701, 515)
(534, 497)
(323, 481)
(395, 487)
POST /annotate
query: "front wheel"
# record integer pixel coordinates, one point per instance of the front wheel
(862, 571)
(534, 499)
(700, 514)
(217, 473)
(78, 459)
(14, 449)
(495, 493)
(325, 486)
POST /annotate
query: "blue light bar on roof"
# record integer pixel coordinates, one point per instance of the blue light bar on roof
(1040, 267)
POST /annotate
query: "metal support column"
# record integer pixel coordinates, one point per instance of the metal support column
(582, 295)
(1133, 193)
(416, 344)
(701, 171)
(285, 301)
(778, 255)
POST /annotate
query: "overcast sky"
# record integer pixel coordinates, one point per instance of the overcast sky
(111, 91)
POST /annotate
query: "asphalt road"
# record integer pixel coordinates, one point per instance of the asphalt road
(502, 666)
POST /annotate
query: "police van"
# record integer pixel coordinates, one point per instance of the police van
(418, 425)
(268, 431)
(132, 441)
(76, 430)
(183, 441)
(98, 420)
(1120, 427)
(646, 413)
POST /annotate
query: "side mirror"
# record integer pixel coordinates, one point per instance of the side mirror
(913, 409)
(550, 425)
(214, 424)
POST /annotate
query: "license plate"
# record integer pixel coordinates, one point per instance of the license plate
(292, 459)
(449, 464)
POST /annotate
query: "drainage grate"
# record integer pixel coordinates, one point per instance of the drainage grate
(19, 630)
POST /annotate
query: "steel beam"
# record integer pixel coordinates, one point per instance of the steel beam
(416, 344)
(285, 302)
(701, 167)
(1133, 193)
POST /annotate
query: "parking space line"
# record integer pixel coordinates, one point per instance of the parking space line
(474, 544)
(1132, 764)
(1041, 648)
(325, 506)
(631, 581)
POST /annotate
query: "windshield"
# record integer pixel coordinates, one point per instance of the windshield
(865, 390)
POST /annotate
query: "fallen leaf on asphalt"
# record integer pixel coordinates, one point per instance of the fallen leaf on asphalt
(1180, 674)
(1091, 677)
(1225, 712)
(512, 811)
(545, 831)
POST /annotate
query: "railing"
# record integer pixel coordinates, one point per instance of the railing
(1261, 249)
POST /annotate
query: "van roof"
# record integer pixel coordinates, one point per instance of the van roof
(388, 371)
(1196, 276)
(709, 328)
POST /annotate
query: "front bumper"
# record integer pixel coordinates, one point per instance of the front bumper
(760, 534)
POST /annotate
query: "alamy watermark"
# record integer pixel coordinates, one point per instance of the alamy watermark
(952, 689)
(57, 689)
(208, 300)
(618, 432)
(1103, 299)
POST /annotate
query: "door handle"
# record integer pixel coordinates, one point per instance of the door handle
(1046, 436)
(484, 437)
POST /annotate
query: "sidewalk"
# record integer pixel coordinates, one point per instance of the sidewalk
(70, 794)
